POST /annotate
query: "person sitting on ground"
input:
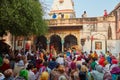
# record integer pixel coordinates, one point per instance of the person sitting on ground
(52, 64)
(31, 75)
(44, 76)
(5, 65)
(23, 75)
(8, 74)
(60, 59)
(45, 68)
(98, 73)
(92, 64)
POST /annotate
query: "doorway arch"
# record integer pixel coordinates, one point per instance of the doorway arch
(41, 42)
(55, 41)
(69, 41)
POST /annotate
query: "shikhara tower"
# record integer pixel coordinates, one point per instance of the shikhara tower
(62, 9)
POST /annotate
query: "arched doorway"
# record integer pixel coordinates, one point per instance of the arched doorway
(55, 42)
(41, 43)
(70, 41)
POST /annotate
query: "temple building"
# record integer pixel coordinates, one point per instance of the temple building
(67, 31)
(86, 33)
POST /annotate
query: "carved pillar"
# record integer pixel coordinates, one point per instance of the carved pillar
(78, 40)
(109, 32)
(48, 45)
(62, 42)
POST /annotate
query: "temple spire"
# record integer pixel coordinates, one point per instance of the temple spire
(62, 9)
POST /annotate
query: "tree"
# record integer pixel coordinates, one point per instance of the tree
(22, 18)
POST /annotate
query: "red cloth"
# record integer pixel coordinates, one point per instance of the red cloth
(27, 46)
(114, 61)
(73, 65)
(105, 13)
(39, 64)
(4, 67)
(79, 58)
(50, 56)
(101, 61)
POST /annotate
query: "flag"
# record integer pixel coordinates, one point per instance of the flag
(92, 38)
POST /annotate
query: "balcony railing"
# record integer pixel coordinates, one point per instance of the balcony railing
(71, 21)
(79, 21)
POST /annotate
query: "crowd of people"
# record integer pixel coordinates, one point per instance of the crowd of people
(70, 65)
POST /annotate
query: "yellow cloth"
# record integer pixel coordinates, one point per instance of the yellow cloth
(44, 76)
(66, 16)
(92, 55)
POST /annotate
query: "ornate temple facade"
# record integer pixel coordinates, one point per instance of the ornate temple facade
(86, 33)
(67, 31)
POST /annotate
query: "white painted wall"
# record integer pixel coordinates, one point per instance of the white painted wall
(67, 4)
(87, 46)
(113, 46)
(100, 35)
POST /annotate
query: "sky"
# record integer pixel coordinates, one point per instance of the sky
(93, 8)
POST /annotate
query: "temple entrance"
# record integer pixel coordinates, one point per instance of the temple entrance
(41, 43)
(55, 42)
(70, 41)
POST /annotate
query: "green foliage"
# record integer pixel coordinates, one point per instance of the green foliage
(22, 17)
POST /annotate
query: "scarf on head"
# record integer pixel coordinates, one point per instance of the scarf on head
(99, 68)
(24, 73)
(93, 65)
(44, 76)
(115, 70)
